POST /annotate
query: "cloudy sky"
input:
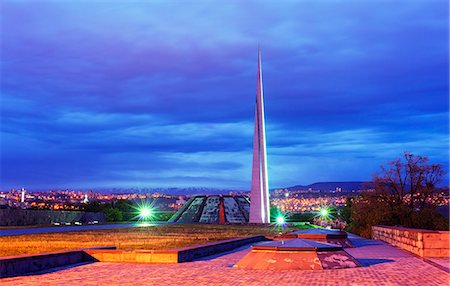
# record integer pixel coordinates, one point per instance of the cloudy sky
(161, 93)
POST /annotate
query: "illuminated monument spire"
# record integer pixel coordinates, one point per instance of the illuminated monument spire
(259, 205)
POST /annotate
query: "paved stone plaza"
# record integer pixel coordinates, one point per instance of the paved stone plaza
(382, 265)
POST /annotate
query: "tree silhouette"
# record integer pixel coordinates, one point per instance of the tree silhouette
(405, 193)
(410, 181)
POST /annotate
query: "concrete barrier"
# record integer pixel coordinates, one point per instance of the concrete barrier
(20, 265)
(135, 256)
(178, 255)
(422, 242)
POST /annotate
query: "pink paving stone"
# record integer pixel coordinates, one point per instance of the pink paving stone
(382, 265)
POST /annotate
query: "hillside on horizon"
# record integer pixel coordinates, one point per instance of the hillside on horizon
(323, 186)
(328, 186)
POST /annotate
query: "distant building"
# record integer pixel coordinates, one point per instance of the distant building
(86, 200)
(180, 201)
(22, 197)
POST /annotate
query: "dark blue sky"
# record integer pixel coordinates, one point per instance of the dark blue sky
(161, 93)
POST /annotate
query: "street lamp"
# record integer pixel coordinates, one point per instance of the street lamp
(324, 212)
(145, 213)
(280, 220)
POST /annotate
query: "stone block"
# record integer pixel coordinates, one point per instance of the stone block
(419, 244)
(417, 252)
(419, 236)
(445, 236)
(431, 236)
(433, 244)
(432, 252)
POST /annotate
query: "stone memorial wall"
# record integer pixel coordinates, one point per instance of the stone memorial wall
(425, 243)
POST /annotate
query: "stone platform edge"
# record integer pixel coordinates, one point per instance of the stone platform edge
(178, 255)
(25, 264)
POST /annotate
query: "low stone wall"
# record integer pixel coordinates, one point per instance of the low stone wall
(135, 256)
(425, 243)
(177, 255)
(20, 217)
(25, 264)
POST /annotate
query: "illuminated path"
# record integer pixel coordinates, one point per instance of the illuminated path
(34, 230)
(383, 265)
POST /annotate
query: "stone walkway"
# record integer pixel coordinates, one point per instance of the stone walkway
(382, 265)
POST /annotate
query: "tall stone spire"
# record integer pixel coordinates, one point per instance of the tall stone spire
(259, 205)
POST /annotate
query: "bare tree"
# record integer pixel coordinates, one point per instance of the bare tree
(411, 180)
(404, 194)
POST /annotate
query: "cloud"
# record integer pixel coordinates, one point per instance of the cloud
(163, 93)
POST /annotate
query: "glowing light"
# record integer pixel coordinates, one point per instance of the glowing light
(145, 213)
(280, 219)
(324, 212)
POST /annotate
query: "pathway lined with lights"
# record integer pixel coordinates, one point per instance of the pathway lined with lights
(382, 265)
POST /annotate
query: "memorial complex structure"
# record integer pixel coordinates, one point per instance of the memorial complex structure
(237, 209)
(213, 209)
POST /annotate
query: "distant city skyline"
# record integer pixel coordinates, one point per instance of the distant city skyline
(161, 94)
